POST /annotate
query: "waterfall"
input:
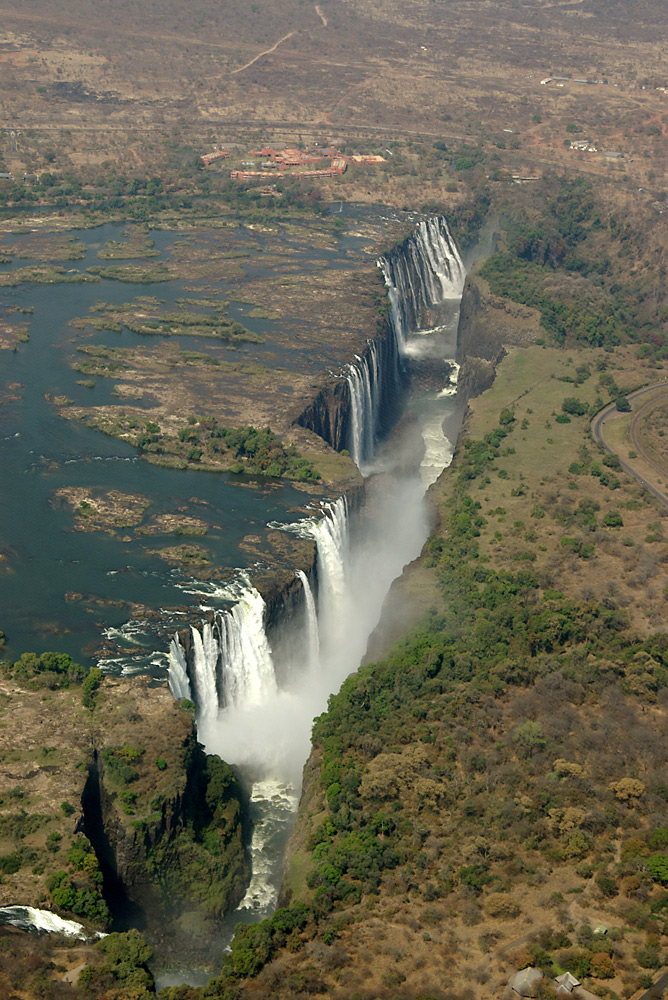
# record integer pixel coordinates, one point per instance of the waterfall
(423, 272)
(312, 638)
(229, 663)
(248, 668)
(248, 717)
(178, 681)
(330, 534)
(331, 538)
(355, 444)
(29, 918)
(203, 673)
(362, 377)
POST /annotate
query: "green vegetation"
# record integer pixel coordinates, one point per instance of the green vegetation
(133, 249)
(78, 889)
(254, 944)
(43, 274)
(121, 970)
(193, 325)
(90, 687)
(133, 273)
(192, 192)
(204, 866)
(119, 763)
(149, 319)
(50, 670)
(204, 442)
(560, 259)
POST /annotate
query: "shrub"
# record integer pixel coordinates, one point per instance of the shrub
(506, 417)
(9, 863)
(574, 406)
(601, 966)
(90, 687)
(607, 884)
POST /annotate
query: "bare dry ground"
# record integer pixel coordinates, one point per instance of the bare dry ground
(90, 89)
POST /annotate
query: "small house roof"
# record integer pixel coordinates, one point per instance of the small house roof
(567, 981)
(524, 982)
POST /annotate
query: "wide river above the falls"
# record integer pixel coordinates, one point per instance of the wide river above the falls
(111, 596)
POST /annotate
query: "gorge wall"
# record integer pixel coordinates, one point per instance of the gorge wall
(488, 326)
(363, 401)
(146, 828)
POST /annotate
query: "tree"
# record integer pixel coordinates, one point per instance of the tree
(90, 687)
(574, 406)
(658, 868)
(529, 737)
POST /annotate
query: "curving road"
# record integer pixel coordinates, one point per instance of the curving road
(660, 391)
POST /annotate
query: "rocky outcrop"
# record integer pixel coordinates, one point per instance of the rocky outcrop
(130, 823)
(154, 840)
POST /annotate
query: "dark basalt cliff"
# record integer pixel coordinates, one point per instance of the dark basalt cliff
(179, 869)
(488, 325)
(329, 413)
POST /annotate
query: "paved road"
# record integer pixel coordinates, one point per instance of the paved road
(597, 429)
(656, 989)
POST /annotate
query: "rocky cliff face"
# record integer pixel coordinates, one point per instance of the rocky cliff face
(329, 414)
(488, 325)
(158, 813)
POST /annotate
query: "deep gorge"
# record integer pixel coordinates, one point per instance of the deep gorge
(258, 675)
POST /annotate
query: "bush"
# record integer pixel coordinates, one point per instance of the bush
(601, 966)
(90, 687)
(574, 406)
(506, 417)
(607, 884)
(9, 863)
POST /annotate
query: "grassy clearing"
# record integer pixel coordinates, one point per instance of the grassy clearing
(550, 498)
